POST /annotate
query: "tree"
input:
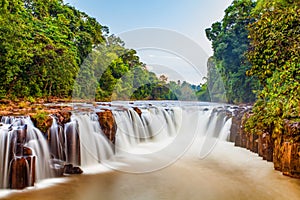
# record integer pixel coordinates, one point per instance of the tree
(42, 45)
(275, 58)
(230, 43)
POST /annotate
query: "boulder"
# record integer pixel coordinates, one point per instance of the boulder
(138, 111)
(291, 159)
(22, 172)
(108, 124)
(70, 169)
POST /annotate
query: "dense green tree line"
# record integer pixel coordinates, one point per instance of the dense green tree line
(275, 59)
(230, 42)
(42, 46)
(256, 51)
(48, 48)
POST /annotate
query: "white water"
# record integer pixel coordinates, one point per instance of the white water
(5, 138)
(34, 139)
(94, 146)
(38, 143)
(165, 132)
(225, 173)
(56, 140)
(162, 131)
(156, 125)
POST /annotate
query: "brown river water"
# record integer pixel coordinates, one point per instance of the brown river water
(226, 173)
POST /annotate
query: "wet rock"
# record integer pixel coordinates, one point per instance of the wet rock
(253, 143)
(286, 155)
(18, 173)
(108, 124)
(291, 159)
(63, 116)
(22, 165)
(139, 112)
(22, 172)
(236, 127)
(278, 153)
(266, 146)
(56, 140)
(70, 169)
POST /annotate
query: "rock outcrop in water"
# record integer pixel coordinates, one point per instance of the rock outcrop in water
(283, 151)
(108, 124)
(22, 164)
(19, 161)
(71, 138)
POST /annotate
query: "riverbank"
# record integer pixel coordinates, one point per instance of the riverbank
(281, 149)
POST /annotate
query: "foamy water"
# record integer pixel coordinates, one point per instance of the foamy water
(170, 152)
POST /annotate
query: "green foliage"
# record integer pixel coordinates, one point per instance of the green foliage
(275, 58)
(42, 45)
(49, 48)
(230, 43)
(203, 93)
(40, 119)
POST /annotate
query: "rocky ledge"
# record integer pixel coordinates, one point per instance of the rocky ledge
(283, 151)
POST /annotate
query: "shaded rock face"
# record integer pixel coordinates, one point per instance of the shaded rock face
(283, 151)
(266, 146)
(237, 134)
(287, 150)
(138, 111)
(63, 116)
(261, 144)
(291, 159)
(108, 124)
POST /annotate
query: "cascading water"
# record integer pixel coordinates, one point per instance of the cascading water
(5, 138)
(94, 147)
(22, 145)
(154, 125)
(56, 140)
(165, 132)
(72, 145)
(217, 127)
(160, 130)
(36, 140)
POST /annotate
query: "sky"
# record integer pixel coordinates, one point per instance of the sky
(184, 20)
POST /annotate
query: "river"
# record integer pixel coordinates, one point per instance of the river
(169, 152)
(227, 173)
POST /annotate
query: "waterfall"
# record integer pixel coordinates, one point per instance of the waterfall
(19, 139)
(36, 141)
(162, 133)
(72, 146)
(94, 147)
(5, 138)
(56, 140)
(217, 128)
(145, 130)
(154, 125)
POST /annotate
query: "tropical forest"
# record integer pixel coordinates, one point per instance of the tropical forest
(81, 110)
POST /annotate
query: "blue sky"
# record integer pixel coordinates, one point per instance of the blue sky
(187, 17)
